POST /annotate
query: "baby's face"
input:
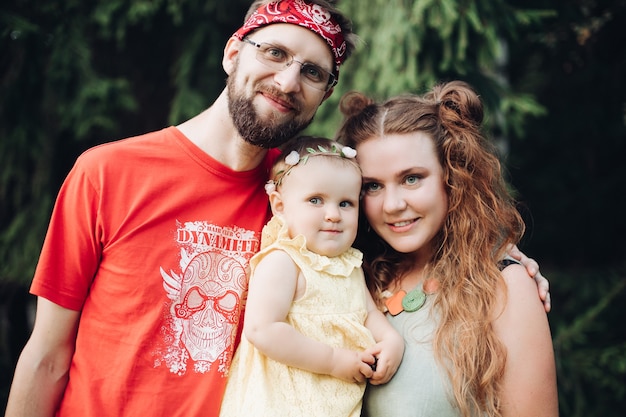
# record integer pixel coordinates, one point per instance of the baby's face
(320, 200)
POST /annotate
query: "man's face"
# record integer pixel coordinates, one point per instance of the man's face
(269, 106)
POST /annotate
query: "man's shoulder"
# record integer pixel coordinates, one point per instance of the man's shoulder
(130, 144)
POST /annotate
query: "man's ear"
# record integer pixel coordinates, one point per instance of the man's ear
(276, 203)
(328, 94)
(231, 54)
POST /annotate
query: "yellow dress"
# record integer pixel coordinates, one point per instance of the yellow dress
(332, 310)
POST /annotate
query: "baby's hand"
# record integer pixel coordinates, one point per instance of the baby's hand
(388, 354)
(351, 366)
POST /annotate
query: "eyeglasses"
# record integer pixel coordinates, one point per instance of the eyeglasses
(279, 59)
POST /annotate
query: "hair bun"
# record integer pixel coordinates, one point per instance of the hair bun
(353, 103)
(461, 99)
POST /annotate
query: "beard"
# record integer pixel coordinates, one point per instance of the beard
(262, 133)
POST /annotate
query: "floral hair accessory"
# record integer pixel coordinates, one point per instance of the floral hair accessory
(345, 152)
(294, 159)
(348, 152)
(270, 187)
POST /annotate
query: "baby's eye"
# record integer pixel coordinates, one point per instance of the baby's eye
(315, 200)
(345, 204)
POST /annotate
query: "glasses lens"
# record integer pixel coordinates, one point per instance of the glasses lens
(315, 75)
(273, 56)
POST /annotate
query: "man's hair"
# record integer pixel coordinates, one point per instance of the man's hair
(331, 6)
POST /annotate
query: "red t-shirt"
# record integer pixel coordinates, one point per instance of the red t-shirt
(150, 238)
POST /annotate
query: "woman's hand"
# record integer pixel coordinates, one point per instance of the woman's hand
(388, 353)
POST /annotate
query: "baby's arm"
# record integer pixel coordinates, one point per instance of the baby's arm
(389, 347)
(271, 292)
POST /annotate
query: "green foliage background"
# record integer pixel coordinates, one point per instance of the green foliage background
(74, 74)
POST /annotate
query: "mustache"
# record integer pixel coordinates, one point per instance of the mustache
(288, 98)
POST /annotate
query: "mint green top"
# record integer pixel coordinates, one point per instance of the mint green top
(420, 388)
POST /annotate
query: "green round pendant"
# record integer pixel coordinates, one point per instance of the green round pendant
(414, 300)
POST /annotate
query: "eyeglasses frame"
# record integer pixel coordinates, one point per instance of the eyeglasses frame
(332, 79)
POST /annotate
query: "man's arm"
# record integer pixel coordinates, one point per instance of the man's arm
(42, 369)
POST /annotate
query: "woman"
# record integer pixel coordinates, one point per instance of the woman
(438, 222)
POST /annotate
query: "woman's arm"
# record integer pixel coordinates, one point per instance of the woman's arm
(529, 385)
(272, 289)
(42, 369)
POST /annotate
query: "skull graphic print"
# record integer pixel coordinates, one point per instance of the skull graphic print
(204, 309)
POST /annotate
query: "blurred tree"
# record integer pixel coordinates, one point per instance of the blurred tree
(74, 74)
(570, 162)
(407, 46)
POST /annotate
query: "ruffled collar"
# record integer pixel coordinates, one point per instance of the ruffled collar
(275, 231)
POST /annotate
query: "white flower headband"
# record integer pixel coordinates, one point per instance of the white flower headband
(294, 159)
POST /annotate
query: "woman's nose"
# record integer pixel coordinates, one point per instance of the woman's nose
(394, 201)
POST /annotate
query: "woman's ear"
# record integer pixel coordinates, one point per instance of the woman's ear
(231, 54)
(276, 203)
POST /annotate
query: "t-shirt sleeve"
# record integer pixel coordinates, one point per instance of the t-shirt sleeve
(72, 248)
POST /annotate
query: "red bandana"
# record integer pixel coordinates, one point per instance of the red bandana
(298, 12)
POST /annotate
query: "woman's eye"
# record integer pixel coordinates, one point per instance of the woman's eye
(412, 179)
(371, 187)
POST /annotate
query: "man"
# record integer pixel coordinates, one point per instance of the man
(144, 266)
(143, 269)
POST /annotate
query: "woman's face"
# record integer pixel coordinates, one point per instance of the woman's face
(405, 201)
